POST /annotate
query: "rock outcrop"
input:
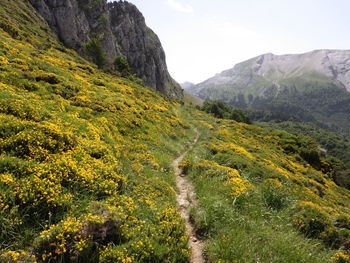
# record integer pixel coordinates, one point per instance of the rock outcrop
(119, 29)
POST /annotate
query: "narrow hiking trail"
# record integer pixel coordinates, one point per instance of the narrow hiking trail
(186, 198)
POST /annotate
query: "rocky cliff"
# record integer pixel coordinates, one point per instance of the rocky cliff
(119, 28)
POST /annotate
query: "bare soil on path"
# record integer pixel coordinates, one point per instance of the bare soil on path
(186, 199)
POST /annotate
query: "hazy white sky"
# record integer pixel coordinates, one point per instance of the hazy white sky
(202, 37)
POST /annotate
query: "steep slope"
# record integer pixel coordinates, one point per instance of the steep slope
(86, 175)
(85, 156)
(119, 28)
(307, 87)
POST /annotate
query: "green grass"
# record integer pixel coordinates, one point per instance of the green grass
(256, 225)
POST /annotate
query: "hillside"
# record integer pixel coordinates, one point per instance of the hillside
(332, 145)
(86, 170)
(85, 156)
(310, 87)
(256, 187)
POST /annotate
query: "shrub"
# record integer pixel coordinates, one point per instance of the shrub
(310, 219)
(9, 28)
(66, 92)
(95, 51)
(47, 77)
(224, 111)
(311, 156)
(30, 86)
(239, 116)
(61, 241)
(274, 195)
(20, 108)
(342, 178)
(217, 108)
(336, 238)
(10, 256)
(122, 65)
(185, 166)
(341, 257)
(38, 141)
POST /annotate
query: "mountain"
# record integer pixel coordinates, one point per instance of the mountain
(308, 87)
(187, 85)
(119, 29)
(88, 165)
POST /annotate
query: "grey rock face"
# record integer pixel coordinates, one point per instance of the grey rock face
(121, 30)
(142, 48)
(76, 22)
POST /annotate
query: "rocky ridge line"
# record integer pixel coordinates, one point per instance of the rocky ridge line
(120, 29)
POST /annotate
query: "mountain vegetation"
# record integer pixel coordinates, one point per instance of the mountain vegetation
(331, 145)
(224, 111)
(86, 174)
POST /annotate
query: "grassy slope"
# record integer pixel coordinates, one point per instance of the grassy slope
(85, 175)
(258, 203)
(82, 153)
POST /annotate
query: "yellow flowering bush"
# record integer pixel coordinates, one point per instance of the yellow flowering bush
(61, 240)
(238, 186)
(16, 256)
(341, 257)
(185, 166)
(310, 218)
(231, 177)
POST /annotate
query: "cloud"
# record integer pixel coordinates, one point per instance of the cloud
(180, 7)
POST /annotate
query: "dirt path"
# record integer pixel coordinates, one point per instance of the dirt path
(186, 198)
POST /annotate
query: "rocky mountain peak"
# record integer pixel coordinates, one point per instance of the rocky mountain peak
(119, 28)
(331, 63)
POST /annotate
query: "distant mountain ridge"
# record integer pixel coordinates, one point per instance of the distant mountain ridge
(187, 85)
(120, 29)
(312, 87)
(334, 64)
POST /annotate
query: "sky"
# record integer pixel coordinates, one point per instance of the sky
(202, 37)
